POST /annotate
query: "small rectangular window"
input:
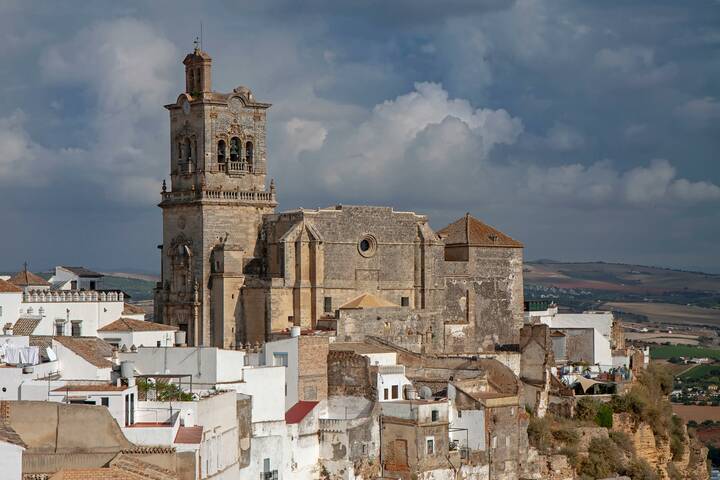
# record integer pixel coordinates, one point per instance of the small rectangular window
(73, 285)
(75, 329)
(59, 329)
(105, 401)
(386, 393)
(395, 392)
(435, 415)
(404, 301)
(328, 305)
(430, 445)
(280, 359)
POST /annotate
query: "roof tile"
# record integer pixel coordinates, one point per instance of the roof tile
(132, 325)
(470, 231)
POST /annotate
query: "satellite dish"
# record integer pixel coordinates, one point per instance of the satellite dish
(425, 392)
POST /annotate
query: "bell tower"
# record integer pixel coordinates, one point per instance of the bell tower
(213, 207)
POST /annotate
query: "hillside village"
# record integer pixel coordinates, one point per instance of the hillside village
(350, 342)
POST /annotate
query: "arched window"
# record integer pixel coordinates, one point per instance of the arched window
(179, 151)
(234, 149)
(249, 153)
(221, 151)
(188, 151)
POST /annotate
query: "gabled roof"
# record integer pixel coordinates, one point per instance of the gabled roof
(132, 325)
(25, 278)
(130, 309)
(92, 349)
(25, 326)
(7, 287)
(367, 300)
(82, 271)
(299, 411)
(470, 231)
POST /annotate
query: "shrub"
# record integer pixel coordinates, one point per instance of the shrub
(623, 442)
(539, 433)
(586, 409)
(572, 455)
(639, 469)
(568, 436)
(604, 416)
(604, 459)
(677, 437)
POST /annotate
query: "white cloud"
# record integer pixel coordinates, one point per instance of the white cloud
(564, 137)
(636, 65)
(130, 69)
(699, 111)
(303, 135)
(19, 155)
(657, 183)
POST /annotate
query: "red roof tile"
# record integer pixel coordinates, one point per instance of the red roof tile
(103, 387)
(299, 411)
(468, 230)
(130, 309)
(132, 325)
(189, 435)
(7, 287)
(25, 279)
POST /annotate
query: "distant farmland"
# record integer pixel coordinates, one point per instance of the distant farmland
(663, 352)
(669, 313)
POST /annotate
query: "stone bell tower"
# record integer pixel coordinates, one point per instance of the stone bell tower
(212, 208)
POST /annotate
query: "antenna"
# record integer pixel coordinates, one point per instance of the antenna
(201, 35)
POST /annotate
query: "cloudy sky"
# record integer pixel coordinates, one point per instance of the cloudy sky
(587, 130)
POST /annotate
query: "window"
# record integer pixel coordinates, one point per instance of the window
(0, 310)
(75, 328)
(93, 285)
(395, 392)
(59, 329)
(188, 151)
(221, 151)
(73, 285)
(249, 152)
(430, 445)
(266, 465)
(386, 395)
(404, 301)
(280, 359)
(434, 415)
(105, 401)
(328, 305)
(234, 149)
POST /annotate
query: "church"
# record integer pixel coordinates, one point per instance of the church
(236, 271)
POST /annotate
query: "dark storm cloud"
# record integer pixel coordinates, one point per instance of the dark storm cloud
(586, 130)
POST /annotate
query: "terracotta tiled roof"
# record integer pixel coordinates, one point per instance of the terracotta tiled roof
(130, 309)
(8, 435)
(25, 326)
(92, 349)
(144, 470)
(100, 387)
(25, 278)
(189, 435)
(468, 230)
(299, 411)
(367, 300)
(7, 287)
(132, 325)
(42, 341)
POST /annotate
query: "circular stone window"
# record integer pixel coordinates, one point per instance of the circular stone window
(367, 246)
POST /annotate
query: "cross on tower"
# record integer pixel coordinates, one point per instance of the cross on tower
(196, 42)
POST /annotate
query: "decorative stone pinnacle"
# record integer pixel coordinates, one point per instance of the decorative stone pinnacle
(164, 186)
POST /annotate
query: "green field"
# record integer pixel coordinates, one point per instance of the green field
(668, 351)
(709, 373)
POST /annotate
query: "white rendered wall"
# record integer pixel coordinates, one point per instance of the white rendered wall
(11, 461)
(602, 351)
(266, 386)
(94, 315)
(12, 379)
(10, 303)
(290, 347)
(146, 339)
(386, 358)
(386, 381)
(73, 366)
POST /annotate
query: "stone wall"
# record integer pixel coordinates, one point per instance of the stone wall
(313, 368)
(349, 374)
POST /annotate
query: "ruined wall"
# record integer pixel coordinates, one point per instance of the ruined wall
(505, 428)
(415, 330)
(484, 295)
(350, 375)
(579, 344)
